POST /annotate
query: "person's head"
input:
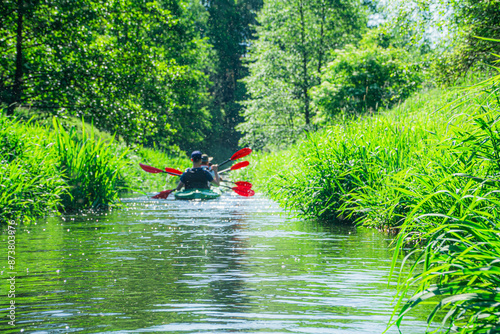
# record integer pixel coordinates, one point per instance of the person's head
(205, 160)
(196, 157)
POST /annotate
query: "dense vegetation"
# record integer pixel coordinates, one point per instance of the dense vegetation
(427, 169)
(424, 165)
(294, 43)
(368, 125)
(158, 73)
(45, 169)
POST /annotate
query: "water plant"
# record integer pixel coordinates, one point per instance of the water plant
(454, 233)
(30, 182)
(348, 170)
(66, 167)
(90, 167)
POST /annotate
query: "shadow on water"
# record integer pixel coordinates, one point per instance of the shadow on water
(232, 265)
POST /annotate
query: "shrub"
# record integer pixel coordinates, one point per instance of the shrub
(90, 167)
(359, 80)
(30, 181)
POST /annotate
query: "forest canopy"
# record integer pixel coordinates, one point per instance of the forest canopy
(143, 70)
(221, 73)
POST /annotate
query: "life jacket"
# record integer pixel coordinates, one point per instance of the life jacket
(195, 178)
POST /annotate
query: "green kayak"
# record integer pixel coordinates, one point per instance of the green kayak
(196, 194)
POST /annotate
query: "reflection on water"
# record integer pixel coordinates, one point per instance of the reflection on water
(232, 265)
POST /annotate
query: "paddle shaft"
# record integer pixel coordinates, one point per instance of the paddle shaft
(240, 154)
(225, 162)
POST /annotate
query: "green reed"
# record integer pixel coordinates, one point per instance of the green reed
(430, 169)
(30, 182)
(454, 228)
(347, 171)
(90, 167)
(68, 167)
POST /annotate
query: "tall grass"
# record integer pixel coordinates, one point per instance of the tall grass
(455, 230)
(429, 169)
(90, 167)
(65, 167)
(346, 171)
(30, 182)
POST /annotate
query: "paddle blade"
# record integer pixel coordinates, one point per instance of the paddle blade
(150, 169)
(241, 153)
(243, 191)
(164, 194)
(173, 171)
(243, 184)
(239, 165)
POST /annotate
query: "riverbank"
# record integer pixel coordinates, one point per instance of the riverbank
(428, 169)
(372, 170)
(63, 167)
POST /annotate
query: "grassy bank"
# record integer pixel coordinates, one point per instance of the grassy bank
(428, 169)
(60, 167)
(331, 175)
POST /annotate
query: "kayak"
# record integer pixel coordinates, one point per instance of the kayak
(196, 194)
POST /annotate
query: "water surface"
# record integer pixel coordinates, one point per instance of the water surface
(232, 265)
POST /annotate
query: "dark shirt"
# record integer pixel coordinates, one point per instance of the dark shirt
(196, 178)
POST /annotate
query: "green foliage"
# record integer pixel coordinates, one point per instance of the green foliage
(450, 30)
(68, 168)
(135, 68)
(429, 169)
(362, 79)
(364, 168)
(229, 31)
(90, 167)
(30, 182)
(344, 170)
(294, 39)
(454, 230)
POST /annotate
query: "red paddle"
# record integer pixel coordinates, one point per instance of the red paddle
(243, 191)
(241, 184)
(247, 192)
(239, 165)
(173, 171)
(155, 170)
(238, 155)
(163, 194)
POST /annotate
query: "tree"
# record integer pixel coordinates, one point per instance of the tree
(452, 27)
(229, 31)
(132, 67)
(364, 78)
(294, 40)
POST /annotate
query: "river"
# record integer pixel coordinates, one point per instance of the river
(231, 265)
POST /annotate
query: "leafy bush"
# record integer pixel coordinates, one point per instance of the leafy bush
(30, 182)
(360, 80)
(90, 168)
(454, 230)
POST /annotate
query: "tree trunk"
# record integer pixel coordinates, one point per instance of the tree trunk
(321, 38)
(17, 89)
(305, 85)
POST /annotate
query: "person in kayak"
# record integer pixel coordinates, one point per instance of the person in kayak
(206, 164)
(197, 176)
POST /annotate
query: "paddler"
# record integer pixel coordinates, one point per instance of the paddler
(197, 176)
(206, 164)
